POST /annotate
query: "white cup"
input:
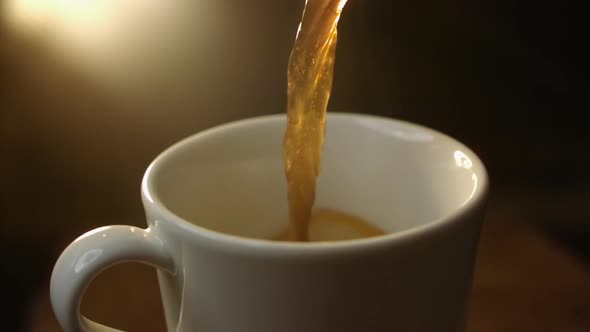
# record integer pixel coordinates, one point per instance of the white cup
(214, 199)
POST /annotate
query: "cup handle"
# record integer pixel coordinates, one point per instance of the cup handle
(92, 253)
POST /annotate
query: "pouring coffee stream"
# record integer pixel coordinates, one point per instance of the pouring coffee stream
(310, 75)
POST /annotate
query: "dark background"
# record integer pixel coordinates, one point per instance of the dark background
(508, 78)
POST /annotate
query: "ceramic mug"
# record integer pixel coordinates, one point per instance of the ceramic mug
(215, 199)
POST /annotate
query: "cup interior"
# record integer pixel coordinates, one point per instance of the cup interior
(394, 174)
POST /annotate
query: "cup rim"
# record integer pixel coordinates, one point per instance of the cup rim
(238, 243)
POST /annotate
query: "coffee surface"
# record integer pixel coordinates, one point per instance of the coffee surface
(332, 225)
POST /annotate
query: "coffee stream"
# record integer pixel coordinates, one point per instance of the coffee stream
(310, 72)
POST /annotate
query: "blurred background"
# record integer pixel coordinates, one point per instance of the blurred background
(92, 90)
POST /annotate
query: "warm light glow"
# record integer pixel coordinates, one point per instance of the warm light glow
(462, 160)
(122, 45)
(40, 13)
(79, 25)
(26, 12)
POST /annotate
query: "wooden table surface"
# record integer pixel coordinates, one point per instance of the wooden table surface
(525, 280)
